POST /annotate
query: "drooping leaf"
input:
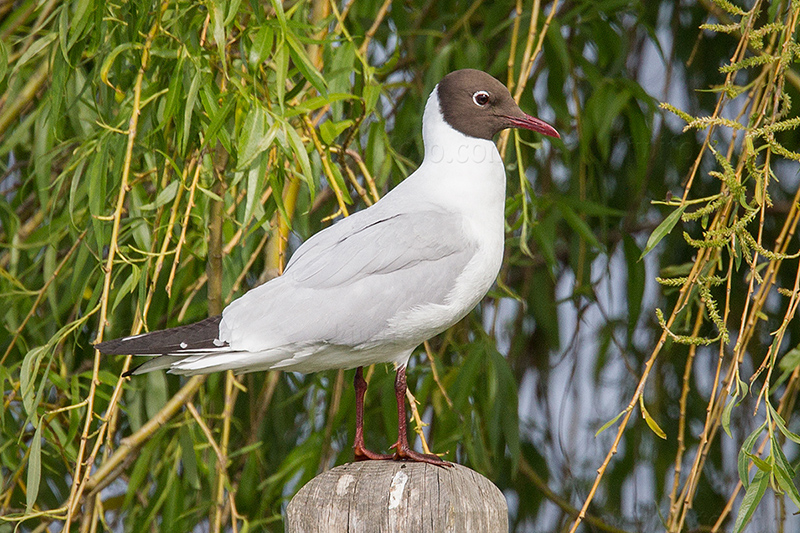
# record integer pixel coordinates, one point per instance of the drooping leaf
(299, 150)
(34, 469)
(580, 226)
(3, 61)
(635, 282)
(38, 46)
(304, 64)
(650, 420)
(610, 422)
(188, 111)
(330, 130)
(108, 62)
(726, 416)
(663, 230)
(745, 451)
(752, 497)
(784, 473)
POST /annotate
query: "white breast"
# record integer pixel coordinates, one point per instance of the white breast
(466, 176)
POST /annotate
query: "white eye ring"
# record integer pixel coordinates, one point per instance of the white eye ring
(481, 98)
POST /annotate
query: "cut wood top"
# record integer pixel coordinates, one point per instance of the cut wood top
(390, 496)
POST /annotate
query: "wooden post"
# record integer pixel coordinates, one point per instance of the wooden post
(396, 496)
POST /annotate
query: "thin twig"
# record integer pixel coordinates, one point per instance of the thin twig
(40, 295)
(80, 477)
(184, 225)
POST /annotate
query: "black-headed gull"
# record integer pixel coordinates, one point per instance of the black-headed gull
(374, 286)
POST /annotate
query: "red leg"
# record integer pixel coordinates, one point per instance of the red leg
(401, 449)
(360, 452)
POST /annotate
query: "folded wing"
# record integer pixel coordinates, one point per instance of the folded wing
(343, 288)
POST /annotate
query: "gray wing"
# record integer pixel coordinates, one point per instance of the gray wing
(381, 246)
(345, 284)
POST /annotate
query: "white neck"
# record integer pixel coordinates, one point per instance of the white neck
(465, 173)
(444, 144)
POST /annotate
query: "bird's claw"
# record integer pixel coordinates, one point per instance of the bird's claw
(362, 454)
(404, 453)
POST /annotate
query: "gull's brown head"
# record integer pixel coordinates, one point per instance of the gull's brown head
(478, 105)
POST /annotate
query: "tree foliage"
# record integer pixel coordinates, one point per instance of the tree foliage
(161, 158)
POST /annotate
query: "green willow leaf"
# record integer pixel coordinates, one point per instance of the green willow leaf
(108, 62)
(34, 468)
(38, 46)
(726, 416)
(650, 420)
(27, 378)
(662, 230)
(371, 95)
(784, 475)
(189, 458)
(127, 287)
(79, 20)
(3, 61)
(752, 497)
(330, 130)
(580, 226)
(636, 281)
(316, 102)
(281, 61)
(218, 30)
(250, 136)
(166, 195)
(191, 99)
(304, 65)
(262, 46)
(745, 451)
(794, 437)
(610, 422)
(219, 115)
(278, 7)
(254, 184)
(175, 92)
(299, 150)
(760, 463)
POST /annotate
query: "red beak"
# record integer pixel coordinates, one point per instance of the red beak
(534, 124)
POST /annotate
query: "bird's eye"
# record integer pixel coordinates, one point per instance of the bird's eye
(481, 98)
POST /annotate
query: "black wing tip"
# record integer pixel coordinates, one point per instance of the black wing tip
(132, 371)
(200, 334)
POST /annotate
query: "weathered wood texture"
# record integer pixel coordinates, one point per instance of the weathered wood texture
(389, 496)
